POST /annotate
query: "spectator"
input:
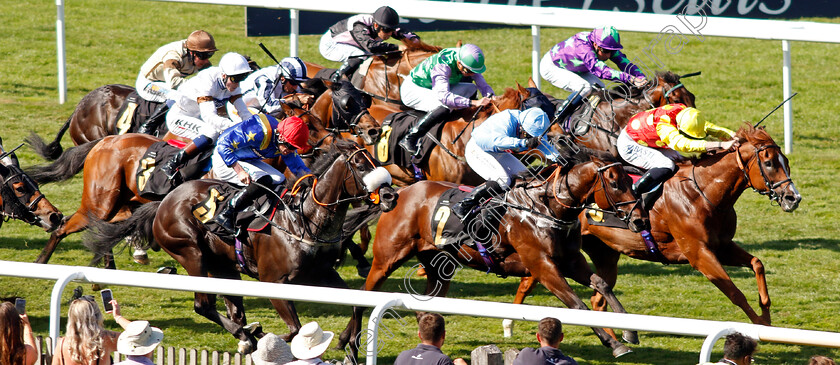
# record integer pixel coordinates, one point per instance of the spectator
(272, 350)
(17, 343)
(821, 360)
(138, 343)
(738, 350)
(86, 340)
(310, 343)
(549, 336)
(432, 333)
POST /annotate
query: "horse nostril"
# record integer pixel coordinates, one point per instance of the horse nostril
(373, 132)
(55, 219)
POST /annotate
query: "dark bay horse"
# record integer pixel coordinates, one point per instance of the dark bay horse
(617, 105)
(20, 197)
(695, 220)
(300, 248)
(536, 236)
(346, 115)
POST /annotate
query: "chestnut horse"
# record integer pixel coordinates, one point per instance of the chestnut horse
(20, 197)
(536, 236)
(300, 248)
(695, 220)
(617, 106)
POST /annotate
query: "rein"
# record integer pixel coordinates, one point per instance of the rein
(769, 185)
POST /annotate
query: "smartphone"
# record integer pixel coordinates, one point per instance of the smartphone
(106, 300)
(20, 305)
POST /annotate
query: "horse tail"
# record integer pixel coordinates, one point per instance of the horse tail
(102, 236)
(51, 151)
(358, 217)
(66, 166)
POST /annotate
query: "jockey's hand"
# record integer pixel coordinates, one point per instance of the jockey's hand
(306, 100)
(639, 82)
(241, 174)
(532, 142)
(480, 102)
(727, 145)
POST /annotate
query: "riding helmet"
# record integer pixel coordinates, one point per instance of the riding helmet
(294, 69)
(534, 121)
(234, 64)
(386, 17)
(294, 131)
(691, 122)
(472, 58)
(201, 41)
(606, 38)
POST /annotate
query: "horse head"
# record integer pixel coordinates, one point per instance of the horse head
(666, 88)
(21, 199)
(363, 178)
(765, 167)
(346, 109)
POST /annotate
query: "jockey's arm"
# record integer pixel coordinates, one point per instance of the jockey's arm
(624, 64)
(719, 132)
(361, 35)
(677, 141)
(211, 116)
(295, 164)
(171, 73)
(604, 72)
(486, 90)
(440, 85)
(240, 106)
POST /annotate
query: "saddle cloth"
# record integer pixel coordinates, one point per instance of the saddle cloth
(449, 230)
(598, 218)
(134, 112)
(218, 194)
(153, 184)
(394, 128)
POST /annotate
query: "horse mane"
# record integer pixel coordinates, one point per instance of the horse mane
(668, 77)
(324, 161)
(9, 202)
(580, 155)
(420, 46)
(756, 136)
(314, 86)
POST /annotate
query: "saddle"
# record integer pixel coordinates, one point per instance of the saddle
(153, 184)
(394, 128)
(479, 233)
(134, 112)
(266, 206)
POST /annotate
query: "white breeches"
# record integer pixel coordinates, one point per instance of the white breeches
(567, 80)
(338, 52)
(157, 91)
(190, 127)
(255, 168)
(498, 166)
(424, 99)
(645, 157)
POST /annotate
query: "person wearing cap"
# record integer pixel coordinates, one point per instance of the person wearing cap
(265, 89)
(655, 138)
(272, 350)
(445, 81)
(138, 342)
(194, 114)
(168, 68)
(488, 152)
(432, 333)
(238, 157)
(578, 62)
(354, 39)
(310, 344)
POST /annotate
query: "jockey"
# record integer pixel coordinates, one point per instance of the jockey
(438, 84)
(167, 68)
(259, 90)
(655, 138)
(489, 151)
(238, 157)
(354, 39)
(577, 64)
(194, 115)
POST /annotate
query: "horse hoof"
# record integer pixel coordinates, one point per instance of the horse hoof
(363, 271)
(244, 347)
(253, 328)
(631, 337)
(142, 259)
(621, 350)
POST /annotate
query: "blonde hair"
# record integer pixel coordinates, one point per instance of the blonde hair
(12, 349)
(84, 331)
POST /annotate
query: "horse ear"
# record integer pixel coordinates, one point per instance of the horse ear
(522, 90)
(531, 82)
(596, 159)
(459, 44)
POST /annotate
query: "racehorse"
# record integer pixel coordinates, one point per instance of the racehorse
(695, 220)
(346, 115)
(20, 197)
(535, 236)
(615, 108)
(300, 248)
(383, 77)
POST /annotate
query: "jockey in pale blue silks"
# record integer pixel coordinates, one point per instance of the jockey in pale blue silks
(489, 151)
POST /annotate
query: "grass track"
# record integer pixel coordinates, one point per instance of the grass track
(108, 40)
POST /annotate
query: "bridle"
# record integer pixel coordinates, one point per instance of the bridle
(371, 197)
(21, 208)
(602, 184)
(768, 184)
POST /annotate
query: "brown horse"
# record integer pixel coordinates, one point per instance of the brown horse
(346, 115)
(617, 106)
(694, 221)
(383, 78)
(536, 236)
(300, 248)
(20, 197)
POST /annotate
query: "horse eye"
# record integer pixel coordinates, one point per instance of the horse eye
(614, 184)
(768, 163)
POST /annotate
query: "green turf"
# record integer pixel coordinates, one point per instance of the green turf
(107, 41)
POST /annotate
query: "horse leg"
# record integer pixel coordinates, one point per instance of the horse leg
(605, 260)
(731, 254)
(72, 224)
(550, 277)
(526, 285)
(706, 262)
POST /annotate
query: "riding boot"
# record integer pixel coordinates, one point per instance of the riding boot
(153, 122)
(463, 208)
(347, 68)
(569, 106)
(411, 141)
(198, 145)
(648, 187)
(226, 218)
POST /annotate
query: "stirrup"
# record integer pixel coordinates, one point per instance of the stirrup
(412, 150)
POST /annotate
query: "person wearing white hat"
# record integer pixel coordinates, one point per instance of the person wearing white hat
(138, 342)
(266, 88)
(272, 350)
(310, 343)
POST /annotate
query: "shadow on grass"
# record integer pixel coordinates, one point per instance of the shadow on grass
(807, 243)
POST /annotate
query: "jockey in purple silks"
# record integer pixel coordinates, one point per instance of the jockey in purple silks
(577, 64)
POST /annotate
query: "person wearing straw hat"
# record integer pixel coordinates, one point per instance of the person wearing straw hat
(272, 350)
(138, 342)
(310, 343)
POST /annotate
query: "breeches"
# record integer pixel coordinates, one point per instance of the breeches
(255, 168)
(190, 127)
(338, 52)
(157, 91)
(567, 80)
(498, 166)
(645, 157)
(424, 99)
